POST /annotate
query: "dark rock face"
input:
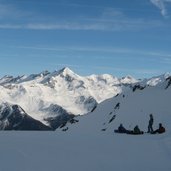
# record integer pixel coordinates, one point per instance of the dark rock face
(59, 121)
(13, 117)
(89, 102)
(28, 124)
(59, 116)
(117, 106)
(55, 110)
(137, 87)
(169, 82)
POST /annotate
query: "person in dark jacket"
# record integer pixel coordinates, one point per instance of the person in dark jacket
(160, 130)
(121, 129)
(150, 125)
(137, 130)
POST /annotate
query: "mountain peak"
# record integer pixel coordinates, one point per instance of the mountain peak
(66, 70)
(128, 80)
(167, 75)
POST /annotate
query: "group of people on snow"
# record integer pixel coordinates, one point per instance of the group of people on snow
(137, 130)
(160, 130)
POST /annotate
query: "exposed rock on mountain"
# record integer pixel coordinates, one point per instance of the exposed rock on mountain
(13, 117)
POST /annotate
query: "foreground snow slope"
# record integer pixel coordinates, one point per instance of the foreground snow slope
(85, 147)
(42, 151)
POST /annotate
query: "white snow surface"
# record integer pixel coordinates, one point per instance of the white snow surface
(85, 147)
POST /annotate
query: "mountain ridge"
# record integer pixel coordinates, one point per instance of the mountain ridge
(67, 92)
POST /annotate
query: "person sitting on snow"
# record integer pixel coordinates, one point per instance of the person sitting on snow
(137, 130)
(121, 129)
(160, 130)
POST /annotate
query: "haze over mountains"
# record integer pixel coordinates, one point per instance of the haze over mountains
(53, 98)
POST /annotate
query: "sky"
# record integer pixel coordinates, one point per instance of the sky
(118, 37)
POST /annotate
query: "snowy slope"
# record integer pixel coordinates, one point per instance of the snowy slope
(76, 94)
(131, 108)
(127, 152)
(84, 146)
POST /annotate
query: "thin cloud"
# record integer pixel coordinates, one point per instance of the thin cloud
(115, 50)
(166, 61)
(3, 10)
(10, 26)
(10, 11)
(161, 5)
(81, 49)
(61, 26)
(159, 54)
(110, 20)
(67, 26)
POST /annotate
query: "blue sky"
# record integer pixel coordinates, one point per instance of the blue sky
(119, 37)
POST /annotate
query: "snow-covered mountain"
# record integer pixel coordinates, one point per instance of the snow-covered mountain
(91, 140)
(77, 95)
(130, 108)
(55, 97)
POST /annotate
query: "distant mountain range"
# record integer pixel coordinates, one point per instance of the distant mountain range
(49, 100)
